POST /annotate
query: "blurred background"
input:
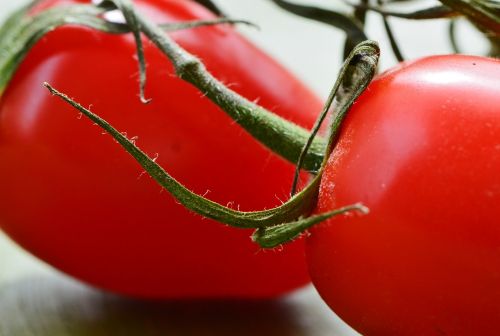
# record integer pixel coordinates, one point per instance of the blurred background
(37, 300)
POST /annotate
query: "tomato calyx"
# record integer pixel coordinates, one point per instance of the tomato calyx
(283, 223)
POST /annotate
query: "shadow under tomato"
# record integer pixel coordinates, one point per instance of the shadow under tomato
(58, 306)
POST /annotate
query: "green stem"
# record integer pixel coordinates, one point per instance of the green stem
(279, 135)
(484, 14)
(126, 7)
(392, 40)
(297, 206)
(452, 26)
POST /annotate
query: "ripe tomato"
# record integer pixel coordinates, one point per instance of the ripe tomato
(75, 199)
(420, 148)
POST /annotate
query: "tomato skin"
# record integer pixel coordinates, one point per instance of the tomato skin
(75, 199)
(421, 149)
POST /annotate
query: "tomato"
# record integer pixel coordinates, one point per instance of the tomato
(77, 200)
(421, 149)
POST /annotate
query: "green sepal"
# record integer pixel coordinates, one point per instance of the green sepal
(280, 234)
(297, 206)
(355, 76)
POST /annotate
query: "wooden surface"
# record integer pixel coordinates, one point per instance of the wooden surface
(36, 300)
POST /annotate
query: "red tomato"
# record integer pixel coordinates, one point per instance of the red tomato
(420, 148)
(74, 198)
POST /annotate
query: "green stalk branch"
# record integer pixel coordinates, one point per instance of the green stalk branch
(129, 13)
(126, 7)
(278, 134)
(349, 24)
(452, 26)
(392, 40)
(210, 5)
(434, 12)
(484, 14)
(175, 26)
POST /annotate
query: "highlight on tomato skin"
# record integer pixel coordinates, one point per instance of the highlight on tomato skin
(421, 149)
(88, 210)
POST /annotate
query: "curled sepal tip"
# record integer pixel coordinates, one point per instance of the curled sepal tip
(276, 235)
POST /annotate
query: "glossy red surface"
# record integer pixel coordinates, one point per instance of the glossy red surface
(420, 148)
(74, 198)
